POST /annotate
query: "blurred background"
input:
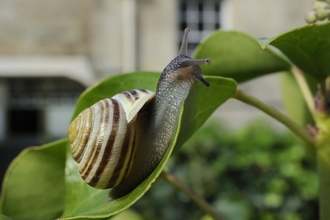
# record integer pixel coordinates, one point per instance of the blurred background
(51, 51)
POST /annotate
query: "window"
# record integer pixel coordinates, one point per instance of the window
(202, 17)
(22, 122)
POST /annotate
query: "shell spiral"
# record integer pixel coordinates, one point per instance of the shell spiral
(103, 138)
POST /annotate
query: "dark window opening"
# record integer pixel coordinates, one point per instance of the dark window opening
(24, 122)
(202, 16)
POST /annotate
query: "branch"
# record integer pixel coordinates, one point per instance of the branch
(294, 127)
(304, 87)
(207, 208)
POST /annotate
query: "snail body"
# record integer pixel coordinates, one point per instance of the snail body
(118, 142)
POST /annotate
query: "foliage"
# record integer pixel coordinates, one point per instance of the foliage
(37, 175)
(305, 48)
(253, 173)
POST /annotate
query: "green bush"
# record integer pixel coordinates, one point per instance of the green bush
(253, 173)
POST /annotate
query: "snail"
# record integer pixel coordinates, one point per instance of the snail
(119, 141)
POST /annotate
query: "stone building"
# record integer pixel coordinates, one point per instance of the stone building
(50, 51)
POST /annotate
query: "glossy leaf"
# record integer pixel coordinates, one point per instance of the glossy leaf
(307, 47)
(129, 214)
(202, 102)
(83, 201)
(33, 187)
(41, 169)
(2, 217)
(238, 56)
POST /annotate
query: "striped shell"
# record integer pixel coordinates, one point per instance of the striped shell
(102, 138)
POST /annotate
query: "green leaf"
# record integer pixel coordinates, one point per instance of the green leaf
(2, 217)
(83, 201)
(307, 47)
(202, 102)
(129, 214)
(33, 187)
(238, 55)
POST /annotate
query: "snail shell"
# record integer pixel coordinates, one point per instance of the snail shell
(103, 138)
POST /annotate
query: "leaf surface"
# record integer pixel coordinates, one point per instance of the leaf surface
(307, 47)
(50, 176)
(238, 55)
(202, 102)
(33, 186)
(83, 201)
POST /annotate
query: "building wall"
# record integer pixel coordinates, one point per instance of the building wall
(157, 33)
(265, 18)
(105, 36)
(123, 35)
(260, 18)
(89, 39)
(43, 27)
(47, 38)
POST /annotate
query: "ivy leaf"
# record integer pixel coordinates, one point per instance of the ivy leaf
(33, 187)
(307, 47)
(238, 56)
(83, 201)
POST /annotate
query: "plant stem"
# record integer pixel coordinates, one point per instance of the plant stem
(323, 165)
(304, 87)
(207, 208)
(294, 127)
(322, 138)
(321, 99)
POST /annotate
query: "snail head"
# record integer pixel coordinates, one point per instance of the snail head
(183, 67)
